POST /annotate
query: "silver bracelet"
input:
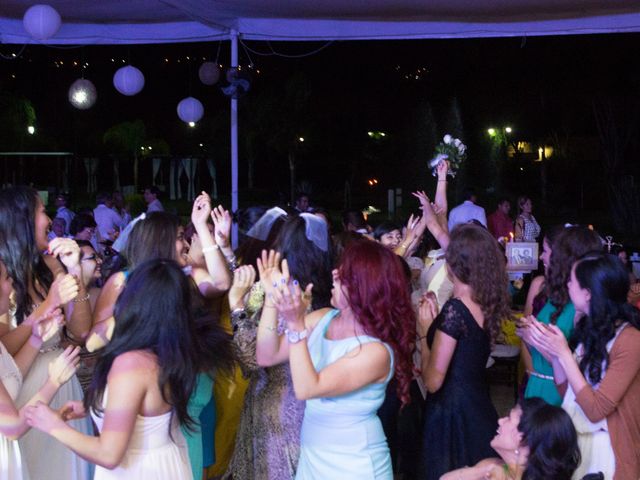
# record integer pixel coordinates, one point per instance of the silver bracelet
(210, 248)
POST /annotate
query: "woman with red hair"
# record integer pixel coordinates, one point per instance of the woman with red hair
(342, 359)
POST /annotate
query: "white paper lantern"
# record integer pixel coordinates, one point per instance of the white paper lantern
(82, 94)
(190, 110)
(209, 73)
(128, 80)
(41, 21)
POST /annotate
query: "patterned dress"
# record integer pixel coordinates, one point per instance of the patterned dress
(268, 440)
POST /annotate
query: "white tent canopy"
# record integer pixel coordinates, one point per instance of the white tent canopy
(109, 22)
(162, 21)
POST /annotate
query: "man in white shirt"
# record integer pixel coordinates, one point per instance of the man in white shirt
(467, 211)
(63, 212)
(108, 221)
(151, 195)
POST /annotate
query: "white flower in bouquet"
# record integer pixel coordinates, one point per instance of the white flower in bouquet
(447, 139)
(462, 148)
(457, 142)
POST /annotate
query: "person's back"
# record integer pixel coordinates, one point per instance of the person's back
(467, 211)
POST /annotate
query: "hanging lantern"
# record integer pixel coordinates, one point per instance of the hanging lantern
(209, 73)
(82, 94)
(128, 80)
(190, 110)
(41, 21)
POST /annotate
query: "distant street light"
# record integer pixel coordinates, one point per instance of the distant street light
(491, 131)
(31, 129)
(376, 135)
(301, 139)
(192, 124)
(508, 129)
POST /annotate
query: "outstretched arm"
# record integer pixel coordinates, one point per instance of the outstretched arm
(127, 384)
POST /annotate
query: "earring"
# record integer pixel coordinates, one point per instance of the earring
(516, 451)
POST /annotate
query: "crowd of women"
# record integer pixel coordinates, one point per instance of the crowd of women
(302, 353)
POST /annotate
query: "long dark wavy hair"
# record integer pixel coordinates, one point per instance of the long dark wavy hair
(155, 313)
(153, 237)
(475, 258)
(607, 280)
(379, 298)
(307, 263)
(18, 250)
(569, 245)
(552, 440)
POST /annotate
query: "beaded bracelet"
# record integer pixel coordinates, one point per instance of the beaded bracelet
(83, 299)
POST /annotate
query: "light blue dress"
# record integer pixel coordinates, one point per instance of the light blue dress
(342, 437)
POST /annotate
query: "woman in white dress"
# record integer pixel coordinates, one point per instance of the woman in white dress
(12, 421)
(141, 385)
(600, 379)
(40, 274)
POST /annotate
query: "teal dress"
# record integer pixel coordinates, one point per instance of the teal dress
(541, 382)
(342, 437)
(199, 399)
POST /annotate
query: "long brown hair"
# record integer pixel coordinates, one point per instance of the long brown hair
(476, 260)
(569, 245)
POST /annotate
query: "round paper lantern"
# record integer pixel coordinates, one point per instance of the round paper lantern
(82, 94)
(209, 73)
(41, 21)
(128, 80)
(190, 110)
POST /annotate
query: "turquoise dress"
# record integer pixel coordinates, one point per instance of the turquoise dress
(342, 437)
(541, 382)
(199, 399)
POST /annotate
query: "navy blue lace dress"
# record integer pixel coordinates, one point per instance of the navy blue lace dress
(460, 419)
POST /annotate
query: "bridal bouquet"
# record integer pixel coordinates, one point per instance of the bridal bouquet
(451, 150)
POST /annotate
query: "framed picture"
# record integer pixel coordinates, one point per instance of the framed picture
(521, 256)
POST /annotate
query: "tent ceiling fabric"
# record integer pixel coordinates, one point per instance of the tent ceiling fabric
(161, 21)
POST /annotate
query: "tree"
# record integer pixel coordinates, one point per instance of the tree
(127, 138)
(16, 114)
(617, 124)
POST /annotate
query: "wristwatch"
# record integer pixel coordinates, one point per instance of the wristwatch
(295, 337)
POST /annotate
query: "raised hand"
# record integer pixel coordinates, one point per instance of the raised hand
(201, 209)
(72, 410)
(222, 225)
(428, 208)
(64, 366)
(269, 271)
(442, 169)
(243, 278)
(63, 289)
(427, 311)
(67, 250)
(410, 230)
(292, 303)
(45, 326)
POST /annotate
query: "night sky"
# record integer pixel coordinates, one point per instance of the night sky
(543, 87)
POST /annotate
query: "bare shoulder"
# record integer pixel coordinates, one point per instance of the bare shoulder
(135, 360)
(536, 284)
(372, 352)
(115, 282)
(314, 317)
